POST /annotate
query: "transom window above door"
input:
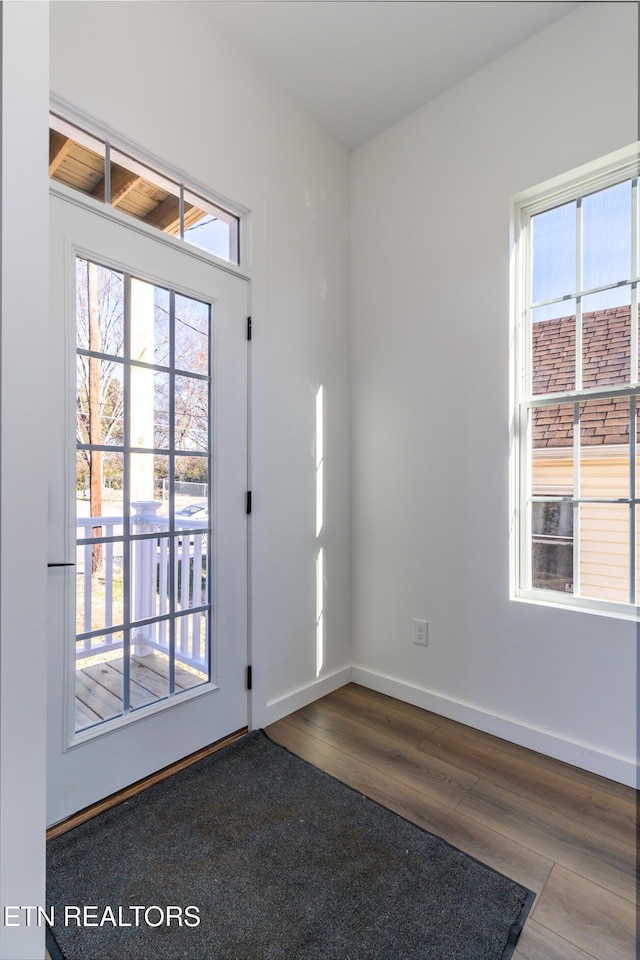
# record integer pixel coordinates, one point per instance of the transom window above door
(97, 168)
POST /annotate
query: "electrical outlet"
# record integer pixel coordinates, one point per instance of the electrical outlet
(421, 633)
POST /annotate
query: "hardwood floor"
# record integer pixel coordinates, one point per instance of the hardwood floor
(566, 834)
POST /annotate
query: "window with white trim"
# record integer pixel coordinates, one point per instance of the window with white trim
(97, 168)
(576, 471)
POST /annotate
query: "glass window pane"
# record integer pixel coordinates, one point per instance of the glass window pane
(161, 323)
(150, 565)
(110, 469)
(99, 308)
(604, 551)
(168, 557)
(192, 491)
(606, 233)
(149, 323)
(99, 407)
(210, 228)
(636, 266)
(554, 253)
(149, 672)
(148, 484)
(635, 373)
(150, 598)
(191, 414)
(192, 651)
(606, 338)
(99, 588)
(552, 545)
(551, 430)
(149, 408)
(144, 194)
(192, 335)
(604, 448)
(553, 348)
(637, 571)
(637, 493)
(98, 680)
(75, 158)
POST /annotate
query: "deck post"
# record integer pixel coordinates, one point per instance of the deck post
(143, 570)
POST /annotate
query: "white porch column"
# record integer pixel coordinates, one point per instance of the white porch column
(144, 572)
(142, 388)
(24, 308)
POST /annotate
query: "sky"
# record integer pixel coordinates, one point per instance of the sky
(606, 252)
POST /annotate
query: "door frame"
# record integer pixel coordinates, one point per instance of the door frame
(62, 193)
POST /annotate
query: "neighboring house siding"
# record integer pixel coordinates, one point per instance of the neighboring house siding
(604, 466)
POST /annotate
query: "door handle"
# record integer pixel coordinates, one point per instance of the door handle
(61, 564)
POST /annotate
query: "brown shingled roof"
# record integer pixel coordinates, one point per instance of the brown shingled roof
(606, 361)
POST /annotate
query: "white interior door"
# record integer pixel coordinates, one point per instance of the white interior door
(147, 528)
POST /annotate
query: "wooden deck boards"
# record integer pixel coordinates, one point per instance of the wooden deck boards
(564, 833)
(99, 686)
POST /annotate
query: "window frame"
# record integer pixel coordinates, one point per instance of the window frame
(621, 166)
(172, 534)
(98, 136)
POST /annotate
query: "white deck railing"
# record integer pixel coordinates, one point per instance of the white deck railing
(150, 586)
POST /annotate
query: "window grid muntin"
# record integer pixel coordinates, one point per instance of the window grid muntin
(127, 538)
(524, 392)
(126, 502)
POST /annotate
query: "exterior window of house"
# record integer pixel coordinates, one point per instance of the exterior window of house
(576, 530)
(100, 170)
(552, 545)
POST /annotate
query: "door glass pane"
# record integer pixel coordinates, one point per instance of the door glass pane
(99, 685)
(143, 529)
(192, 657)
(100, 401)
(192, 335)
(99, 308)
(191, 414)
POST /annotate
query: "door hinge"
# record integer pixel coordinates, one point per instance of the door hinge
(249, 678)
(248, 503)
(249, 328)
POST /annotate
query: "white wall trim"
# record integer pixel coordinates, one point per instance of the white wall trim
(24, 304)
(302, 697)
(577, 754)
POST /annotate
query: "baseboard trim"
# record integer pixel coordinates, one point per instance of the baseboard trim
(302, 697)
(577, 754)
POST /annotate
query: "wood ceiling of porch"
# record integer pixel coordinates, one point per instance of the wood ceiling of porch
(78, 167)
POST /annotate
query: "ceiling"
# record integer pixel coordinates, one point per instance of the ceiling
(359, 66)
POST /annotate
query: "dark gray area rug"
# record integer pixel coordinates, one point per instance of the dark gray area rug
(254, 854)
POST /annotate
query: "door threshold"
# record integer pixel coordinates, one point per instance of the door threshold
(88, 813)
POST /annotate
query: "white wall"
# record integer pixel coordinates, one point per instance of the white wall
(23, 404)
(430, 315)
(165, 77)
